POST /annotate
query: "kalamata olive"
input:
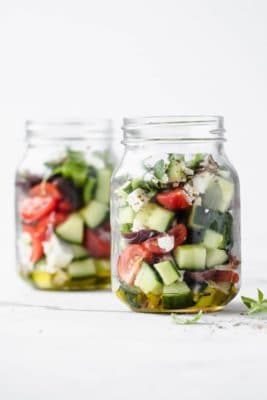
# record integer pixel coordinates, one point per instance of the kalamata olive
(139, 236)
(69, 191)
(194, 236)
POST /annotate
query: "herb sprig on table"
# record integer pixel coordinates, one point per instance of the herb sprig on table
(185, 321)
(255, 305)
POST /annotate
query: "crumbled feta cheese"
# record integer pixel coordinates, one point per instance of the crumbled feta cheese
(137, 225)
(201, 181)
(189, 189)
(58, 254)
(166, 243)
(198, 201)
(137, 199)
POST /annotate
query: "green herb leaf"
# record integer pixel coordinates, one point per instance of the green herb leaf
(185, 321)
(159, 169)
(255, 306)
(194, 163)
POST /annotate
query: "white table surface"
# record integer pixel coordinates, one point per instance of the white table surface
(89, 346)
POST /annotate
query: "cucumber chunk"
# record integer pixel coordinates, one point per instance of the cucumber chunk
(82, 268)
(190, 257)
(102, 267)
(219, 194)
(152, 216)
(216, 257)
(167, 271)
(126, 215)
(79, 252)
(175, 172)
(71, 230)
(94, 214)
(177, 295)
(102, 193)
(147, 280)
(212, 239)
(202, 218)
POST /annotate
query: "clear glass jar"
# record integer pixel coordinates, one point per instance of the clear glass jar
(175, 216)
(62, 205)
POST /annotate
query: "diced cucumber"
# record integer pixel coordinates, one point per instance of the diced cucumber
(102, 193)
(94, 214)
(167, 271)
(88, 189)
(79, 252)
(177, 295)
(219, 194)
(155, 217)
(71, 230)
(212, 239)
(126, 215)
(175, 172)
(201, 218)
(82, 268)
(216, 257)
(198, 218)
(147, 280)
(190, 256)
(102, 267)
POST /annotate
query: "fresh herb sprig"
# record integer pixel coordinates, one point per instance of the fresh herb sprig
(255, 305)
(186, 321)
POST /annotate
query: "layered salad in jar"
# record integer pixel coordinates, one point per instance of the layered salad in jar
(63, 228)
(177, 250)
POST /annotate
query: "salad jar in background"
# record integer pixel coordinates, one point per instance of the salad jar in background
(175, 216)
(62, 205)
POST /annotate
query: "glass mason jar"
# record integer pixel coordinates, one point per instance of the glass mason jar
(62, 205)
(175, 216)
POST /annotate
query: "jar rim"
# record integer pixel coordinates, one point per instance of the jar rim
(174, 127)
(69, 129)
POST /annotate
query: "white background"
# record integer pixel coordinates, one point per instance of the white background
(82, 58)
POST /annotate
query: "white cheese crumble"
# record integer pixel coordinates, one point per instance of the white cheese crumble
(166, 243)
(150, 161)
(137, 199)
(58, 254)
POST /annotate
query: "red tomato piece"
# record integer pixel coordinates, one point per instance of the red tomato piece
(130, 262)
(152, 245)
(34, 208)
(37, 250)
(64, 206)
(97, 243)
(179, 232)
(176, 199)
(45, 189)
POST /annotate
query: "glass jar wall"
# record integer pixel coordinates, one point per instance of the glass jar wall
(175, 216)
(62, 205)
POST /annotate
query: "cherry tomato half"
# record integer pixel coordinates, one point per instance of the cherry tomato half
(34, 208)
(44, 189)
(97, 242)
(37, 250)
(179, 232)
(130, 262)
(153, 245)
(176, 199)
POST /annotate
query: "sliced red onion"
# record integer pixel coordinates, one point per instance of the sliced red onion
(139, 236)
